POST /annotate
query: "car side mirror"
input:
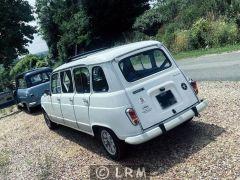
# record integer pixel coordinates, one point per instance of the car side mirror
(47, 92)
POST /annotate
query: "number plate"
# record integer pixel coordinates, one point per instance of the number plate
(166, 99)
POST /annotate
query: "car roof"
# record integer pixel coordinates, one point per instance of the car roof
(107, 55)
(34, 71)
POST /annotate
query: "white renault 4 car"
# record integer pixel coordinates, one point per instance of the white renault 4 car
(126, 94)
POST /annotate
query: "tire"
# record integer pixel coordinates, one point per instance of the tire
(29, 109)
(114, 147)
(20, 108)
(51, 125)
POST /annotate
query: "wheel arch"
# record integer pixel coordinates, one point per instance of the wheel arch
(96, 127)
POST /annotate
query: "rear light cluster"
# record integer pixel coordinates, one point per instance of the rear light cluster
(132, 115)
(194, 86)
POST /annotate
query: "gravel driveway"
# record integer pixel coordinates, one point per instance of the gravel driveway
(208, 147)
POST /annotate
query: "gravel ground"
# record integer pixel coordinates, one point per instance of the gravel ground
(206, 148)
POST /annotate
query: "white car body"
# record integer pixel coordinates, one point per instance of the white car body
(88, 111)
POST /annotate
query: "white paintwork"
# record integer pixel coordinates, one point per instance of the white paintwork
(108, 54)
(156, 131)
(107, 109)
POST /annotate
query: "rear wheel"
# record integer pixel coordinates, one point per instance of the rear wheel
(113, 146)
(29, 109)
(51, 125)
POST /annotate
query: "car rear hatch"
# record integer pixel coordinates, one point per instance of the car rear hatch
(159, 96)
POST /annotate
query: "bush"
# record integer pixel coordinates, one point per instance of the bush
(199, 34)
(149, 22)
(208, 33)
(204, 33)
(26, 63)
(167, 35)
(224, 33)
(181, 42)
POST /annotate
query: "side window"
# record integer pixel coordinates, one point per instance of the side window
(66, 81)
(45, 77)
(55, 84)
(36, 79)
(160, 59)
(22, 83)
(82, 80)
(99, 80)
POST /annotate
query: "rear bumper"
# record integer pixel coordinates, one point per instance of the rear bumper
(148, 135)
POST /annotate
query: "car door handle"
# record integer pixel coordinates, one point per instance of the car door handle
(70, 99)
(85, 101)
(58, 99)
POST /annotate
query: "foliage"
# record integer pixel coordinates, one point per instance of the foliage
(180, 15)
(208, 33)
(181, 41)
(204, 33)
(73, 26)
(26, 63)
(15, 33)
(4, 78)
(149, 22)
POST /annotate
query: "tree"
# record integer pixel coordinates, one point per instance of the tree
(150, 22)
(110, 19)
(64, 26)
(26, 63)
(74, 26)
(45, 10)
(15, 33)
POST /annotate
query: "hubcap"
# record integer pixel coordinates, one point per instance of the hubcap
(108, 142)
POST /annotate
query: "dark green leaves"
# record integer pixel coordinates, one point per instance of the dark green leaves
(15, 33)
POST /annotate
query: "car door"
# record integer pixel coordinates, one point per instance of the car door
(67, 99)
(56, 113)
(81, 99)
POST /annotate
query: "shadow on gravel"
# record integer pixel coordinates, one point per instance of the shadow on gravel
(161, 153)
(34, 111)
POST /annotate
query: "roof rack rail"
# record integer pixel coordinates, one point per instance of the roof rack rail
(85, 54)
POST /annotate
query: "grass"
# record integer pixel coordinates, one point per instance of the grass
(7, 111)
(201, 52)
(4, 158)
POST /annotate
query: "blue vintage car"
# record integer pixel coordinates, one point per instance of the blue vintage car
(30, 87)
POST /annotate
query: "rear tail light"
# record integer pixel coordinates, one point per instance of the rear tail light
(132, 116)
(194, 86)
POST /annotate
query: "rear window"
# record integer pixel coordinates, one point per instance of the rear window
(39, 78)
(144, 64)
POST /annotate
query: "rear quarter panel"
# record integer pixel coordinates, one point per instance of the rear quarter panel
(37, 92)
(107, 109)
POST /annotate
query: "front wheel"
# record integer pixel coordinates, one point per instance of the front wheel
(113, 146)
(51, 125)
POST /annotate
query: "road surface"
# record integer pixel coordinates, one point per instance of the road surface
(219, 67)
